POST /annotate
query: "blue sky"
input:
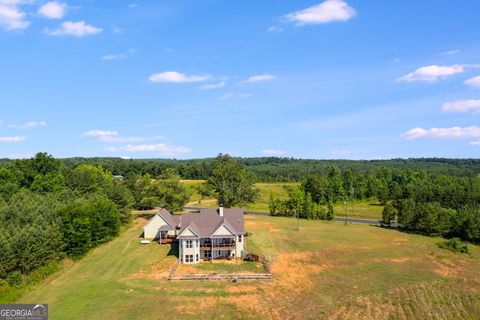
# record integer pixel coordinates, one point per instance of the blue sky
(351, 79)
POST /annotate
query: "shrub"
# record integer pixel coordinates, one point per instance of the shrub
(14, 278)
(455, 245)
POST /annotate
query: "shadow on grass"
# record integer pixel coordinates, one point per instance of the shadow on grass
(173, 250)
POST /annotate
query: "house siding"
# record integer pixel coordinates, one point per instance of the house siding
(151, 228)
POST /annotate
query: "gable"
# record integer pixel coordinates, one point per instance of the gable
(223, 230)
(188, 232)
(156, 222)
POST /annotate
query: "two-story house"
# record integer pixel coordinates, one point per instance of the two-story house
(206, 235)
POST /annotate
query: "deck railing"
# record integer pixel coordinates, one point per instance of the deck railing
(217, 245)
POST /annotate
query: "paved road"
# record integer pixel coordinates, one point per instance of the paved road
(350, 220)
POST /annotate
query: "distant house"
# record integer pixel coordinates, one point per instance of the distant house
(206, 235)
(117, 176)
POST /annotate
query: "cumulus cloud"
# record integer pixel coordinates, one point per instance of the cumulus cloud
(235, 95)
(177, 77)
(75, 29)
(340, 152)
(11, 16)
(462, 106)
(327, 11)
(274, 29)
(127, 139)
(29, 125)
(273, 152)
(12, 139)
(118, 56)
(53, 10)
(260, 77)
(113, 136)
(450, 52)
(100, 133)
(432, 73)
(160, 148)
(453, 132)
(473, 82)
(211, 86)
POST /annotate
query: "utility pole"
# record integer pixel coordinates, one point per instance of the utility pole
(353, 201)
(346, 213)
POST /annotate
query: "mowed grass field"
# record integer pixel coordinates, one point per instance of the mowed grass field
(359, 209)
(325, 270)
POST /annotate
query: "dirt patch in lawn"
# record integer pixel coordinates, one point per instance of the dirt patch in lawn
(242, 289)
(200, 305)
(293, 274)
(258, 224)
(158, 271)
(445, 268)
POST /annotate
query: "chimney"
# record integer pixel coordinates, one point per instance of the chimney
(220, 211)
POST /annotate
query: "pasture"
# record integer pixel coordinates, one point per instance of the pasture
(325, 270)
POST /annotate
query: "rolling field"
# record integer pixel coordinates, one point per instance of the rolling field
(324, 270)
(361, 209)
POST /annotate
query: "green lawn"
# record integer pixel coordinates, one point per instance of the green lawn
(359, 209)
(324, 270)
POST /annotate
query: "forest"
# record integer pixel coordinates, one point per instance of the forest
(273, 169)
(427, 203)
(51, 208)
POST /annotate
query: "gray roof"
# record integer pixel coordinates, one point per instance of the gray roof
(167, 216)
(207, 221)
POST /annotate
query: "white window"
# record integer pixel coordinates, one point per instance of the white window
(189, 258)
(188, 244)
(240, 238)
(196, 258)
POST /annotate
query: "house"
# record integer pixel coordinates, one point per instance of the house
(206, 235)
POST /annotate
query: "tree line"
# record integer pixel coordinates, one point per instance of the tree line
(428, 203)
(272, 169)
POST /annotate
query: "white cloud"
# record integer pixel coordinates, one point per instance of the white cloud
(117, 56)
(100, 133)
(235, 95)
(475, 143)
(113, 136)
(273, 152)
(473, 82)
(133, 5)
(462, 106)
(328, 11)
(260, 77)
(12, 139)
(432, 73)
(127, 139)
(29, 125)
(75, 29)
(11, 16)
(53, 10)
(340, 152)
(274, 29)
(210, 86)
(160, 148)
(450, 52)
(454, 132)
(177, 77)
